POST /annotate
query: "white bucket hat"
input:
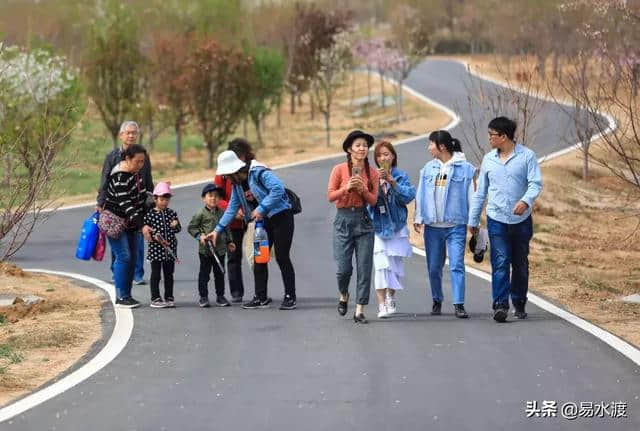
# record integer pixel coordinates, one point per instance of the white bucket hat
(229, 163)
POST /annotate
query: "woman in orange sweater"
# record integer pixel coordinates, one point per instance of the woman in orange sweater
(352, 186)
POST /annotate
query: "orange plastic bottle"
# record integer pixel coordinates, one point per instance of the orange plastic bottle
(260, 244)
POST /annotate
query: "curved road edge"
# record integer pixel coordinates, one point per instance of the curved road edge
(119, 338)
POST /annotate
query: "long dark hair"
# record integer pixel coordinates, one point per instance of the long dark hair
(243, 149)
(442, 137)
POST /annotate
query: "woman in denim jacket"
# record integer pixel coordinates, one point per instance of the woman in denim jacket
(389, 215)
(261, 195)
(442, 204)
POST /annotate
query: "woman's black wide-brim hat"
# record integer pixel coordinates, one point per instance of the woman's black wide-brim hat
(355, 135)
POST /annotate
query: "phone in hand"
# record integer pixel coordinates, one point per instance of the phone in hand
(355, 170)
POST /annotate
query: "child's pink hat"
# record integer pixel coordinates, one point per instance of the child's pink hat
(162, 188)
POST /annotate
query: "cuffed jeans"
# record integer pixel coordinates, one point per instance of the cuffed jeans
(509, 244)
(353, 231)
(125, 252)
(437, 241)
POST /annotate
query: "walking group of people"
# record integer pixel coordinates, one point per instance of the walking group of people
(371, 221)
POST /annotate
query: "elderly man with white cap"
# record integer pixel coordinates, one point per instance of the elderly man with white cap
(273, 209)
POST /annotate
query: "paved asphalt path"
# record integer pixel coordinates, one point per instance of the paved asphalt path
(223, 369)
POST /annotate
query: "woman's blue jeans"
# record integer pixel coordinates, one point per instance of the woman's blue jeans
(125, 251)
(437, 241)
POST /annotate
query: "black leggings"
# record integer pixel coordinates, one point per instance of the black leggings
(234, 264)
(280, 229)
(168, 267)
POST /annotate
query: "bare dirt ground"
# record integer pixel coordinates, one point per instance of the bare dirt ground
(585, 254)
(39, 342)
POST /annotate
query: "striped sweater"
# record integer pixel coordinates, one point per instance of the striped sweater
(125, 198)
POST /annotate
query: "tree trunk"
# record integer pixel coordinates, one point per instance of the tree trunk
(540, 68)
(114, 138)
(210, 155)
(327, 127)
(353, 87)
(178, 129)
(369, 84)
(293, 103)
(401, 97)
(152, 138)
(635, 77)
(312, 106)
(258, 126)
(398, 114)
(300, 99)
(278, 113)
(585, 158)
(381, 89)
(556, 65)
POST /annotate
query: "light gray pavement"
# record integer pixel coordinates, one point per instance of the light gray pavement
(223, 369)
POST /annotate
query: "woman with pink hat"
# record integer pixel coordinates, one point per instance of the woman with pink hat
(163, 246)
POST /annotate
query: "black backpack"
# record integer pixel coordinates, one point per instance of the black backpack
(294, 199)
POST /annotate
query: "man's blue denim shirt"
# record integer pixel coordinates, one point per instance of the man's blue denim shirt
(516, 179)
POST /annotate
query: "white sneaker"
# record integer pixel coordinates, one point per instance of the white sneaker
(390, 303)
(382, 311)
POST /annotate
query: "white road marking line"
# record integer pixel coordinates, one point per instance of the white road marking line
(117, 342)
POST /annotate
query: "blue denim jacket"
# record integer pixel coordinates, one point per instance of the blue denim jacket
(456, 208)
(270, 195)
(394, 204)
(517, 179)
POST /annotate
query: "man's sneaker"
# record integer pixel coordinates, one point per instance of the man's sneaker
(288, 303)
(390, 304)
(257, 303)
(139, 282)
(203, 302)
(460, 312)
(383, 313)
(500, 314)
(158, 303)
(236, 299)
(127, 303)
(520, 314)
(221, 301)
(170, 302)
(436, 309)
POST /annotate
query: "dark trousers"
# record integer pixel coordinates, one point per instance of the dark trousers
(208, 264)
(509, 261)
(280, 229)
(234, 265)
(167, 267)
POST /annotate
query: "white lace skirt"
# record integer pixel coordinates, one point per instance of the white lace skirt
(387, 259)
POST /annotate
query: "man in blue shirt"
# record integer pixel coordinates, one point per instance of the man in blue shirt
(511, 177)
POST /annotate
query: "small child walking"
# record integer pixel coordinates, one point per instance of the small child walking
(202, 223)
(163, 247)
